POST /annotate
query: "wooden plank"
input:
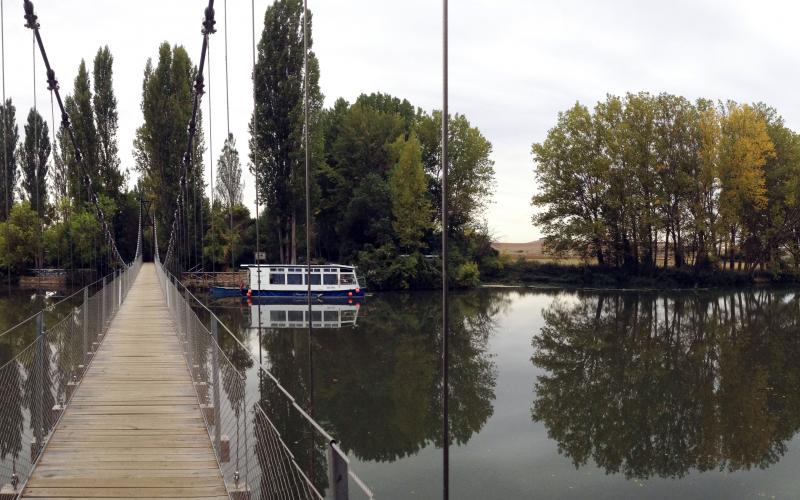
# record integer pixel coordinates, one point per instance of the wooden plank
(134, 427)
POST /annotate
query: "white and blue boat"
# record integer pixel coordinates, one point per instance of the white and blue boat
(330, 281)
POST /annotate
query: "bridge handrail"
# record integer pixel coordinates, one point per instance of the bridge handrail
(272, 458)
(39, 378)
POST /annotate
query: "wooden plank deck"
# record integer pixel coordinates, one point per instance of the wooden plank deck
(133, 428)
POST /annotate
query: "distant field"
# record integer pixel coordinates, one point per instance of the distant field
(531, 251)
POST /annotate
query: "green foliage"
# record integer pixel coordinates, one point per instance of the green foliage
(81, 114)
(277, 151)
(161, 140)
(645, 174)
(411, 207)
(34, 158)
(8, 157)
(384, 269)
(105, 110)
(467, 275)
(20, 237)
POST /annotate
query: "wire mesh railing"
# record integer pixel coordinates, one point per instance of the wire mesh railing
(268, 447)
(43, 362)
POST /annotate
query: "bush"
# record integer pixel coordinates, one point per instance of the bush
(384, 269)
(467, 275)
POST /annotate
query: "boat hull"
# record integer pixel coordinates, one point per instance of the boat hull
(220, 291)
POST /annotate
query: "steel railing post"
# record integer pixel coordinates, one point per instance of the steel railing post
(119, 290)
(102, 307)
(215, 375)
(85, 327)
(39, 388)
(337, 473)
(187, 331)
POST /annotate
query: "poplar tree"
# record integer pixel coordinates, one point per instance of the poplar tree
(81, 113)
(161, 140)
(8, 156)
(34, 161)
(276, 126)
(411, 206)
(105, 109)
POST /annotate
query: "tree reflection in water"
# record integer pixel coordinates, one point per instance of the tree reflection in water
(377, 387)
(651, 385)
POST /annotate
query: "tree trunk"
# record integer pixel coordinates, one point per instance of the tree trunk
(666, 248)
(731, 255)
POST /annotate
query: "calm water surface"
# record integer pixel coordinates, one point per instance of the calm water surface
(554, 394)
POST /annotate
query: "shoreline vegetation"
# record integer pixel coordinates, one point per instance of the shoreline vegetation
(551, 275)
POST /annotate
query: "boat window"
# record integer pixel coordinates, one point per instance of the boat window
(348, 315)
(348, 279)
(315, 316)
(296, 316)
(294, 279)
(315, 279)
(330, 279)
(331, 316)
(277, 315)
(277, 279)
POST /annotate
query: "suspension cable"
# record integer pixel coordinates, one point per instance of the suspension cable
(254, 153)
(33, 24)
(208, 29)
(228, 121)
(6, 179)
(211, 156)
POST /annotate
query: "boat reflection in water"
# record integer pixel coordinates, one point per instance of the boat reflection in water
(295, 315)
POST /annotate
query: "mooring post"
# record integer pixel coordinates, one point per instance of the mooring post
(40, 350)
(215, 375)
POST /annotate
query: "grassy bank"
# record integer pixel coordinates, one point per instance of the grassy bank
(529, 273)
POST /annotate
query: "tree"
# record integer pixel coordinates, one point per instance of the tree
(34, 162)
(229, 175)
(572, 179)
(21, 237)
(59, 173)
(229, 181)
(161, 140)
(105, 110)
(276, 127)
(471, 172)
(410, 206)
(744, 151)
(10, 133)
(79, 108)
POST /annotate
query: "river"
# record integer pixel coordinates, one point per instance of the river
(555, 394)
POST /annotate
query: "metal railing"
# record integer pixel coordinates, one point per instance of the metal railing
(47, 357)
(245, 418)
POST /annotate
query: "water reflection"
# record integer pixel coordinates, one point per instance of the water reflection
(295, 315)
(649, 385)
(376, 371)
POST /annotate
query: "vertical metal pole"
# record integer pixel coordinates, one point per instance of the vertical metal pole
(189, 340)
(103, 307)
(215, 375)
(119, 290)
(85, 326)
(337, 473)
(445, 283)
(39, 394)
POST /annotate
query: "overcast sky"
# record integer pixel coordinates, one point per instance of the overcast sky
(514, 64)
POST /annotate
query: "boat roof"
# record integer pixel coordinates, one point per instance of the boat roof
(302, 267)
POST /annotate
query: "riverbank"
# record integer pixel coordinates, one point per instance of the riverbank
(526, 273)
